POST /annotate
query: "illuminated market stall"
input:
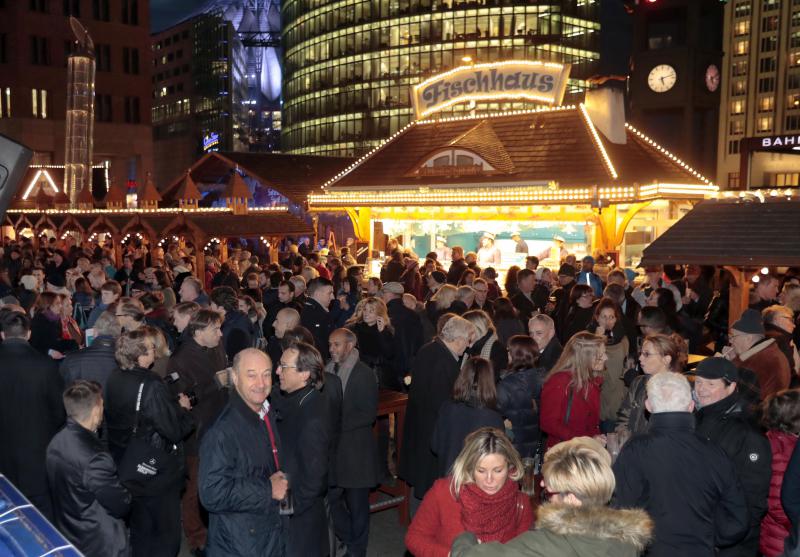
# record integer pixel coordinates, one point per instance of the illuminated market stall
(579, 173)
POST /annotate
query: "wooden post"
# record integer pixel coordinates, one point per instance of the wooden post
(739, 293)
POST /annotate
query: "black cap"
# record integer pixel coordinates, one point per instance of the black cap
(567, 270)
(717, 368)
(56, 279)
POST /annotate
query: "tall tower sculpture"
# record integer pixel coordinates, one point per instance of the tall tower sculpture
(80, 114)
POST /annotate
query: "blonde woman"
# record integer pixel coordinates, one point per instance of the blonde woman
(571, 392)
(371, 325)
(480, 496)
(441, 303)
(660, 353)
(487, 345)
(577, 520)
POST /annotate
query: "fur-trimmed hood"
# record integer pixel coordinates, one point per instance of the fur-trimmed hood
(629, 526)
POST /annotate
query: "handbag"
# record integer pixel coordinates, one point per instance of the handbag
(146, 468)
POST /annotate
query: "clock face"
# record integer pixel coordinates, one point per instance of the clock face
(662, 78)
(712, 78)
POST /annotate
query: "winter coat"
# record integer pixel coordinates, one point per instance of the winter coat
(769, 364)
(776, 526)
(456, 420)
(236, 463)
(577, 320)
(437, 522)
(565, 531)
(519, 396)
(613, 386)
(408, 335)
(304, 425)
(46, 334)
(507, 327)
(31, 413)
(551, 353)
(237, 333)
(357, 452)
(457, 269)
(95, 363)
(377, 350)
(584, 413)
(159, 414)
(526, 306)
(196, 367)
(633, 416)
(434, 372)
(319, 321)
(89, 501)
(495, 352)
(687, 485)
(725, 423)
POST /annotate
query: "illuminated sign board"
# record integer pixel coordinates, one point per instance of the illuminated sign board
(543, 82)
(781, 142)
(211, 142)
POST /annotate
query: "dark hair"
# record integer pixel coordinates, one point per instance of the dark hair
(112, 286)
(617, 273)
(463, 280)
(276, 279)
(202, 319)
(309, 359)
(532, 259)
(81, 397)
(665, 300)
(579, 290)
(162, 278)
(504, 309)
(295, 335)
(781, 411)
(316, 284)
(653, 317)
(150, 301)
(523, 353)
(523, 274)
(225, 297)
(288, 284)
(615, 292)
(511, 278)
(605, 303)
(490, 273)
(475, 383)
(16, 325)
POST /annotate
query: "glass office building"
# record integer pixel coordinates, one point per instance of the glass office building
(350, 64)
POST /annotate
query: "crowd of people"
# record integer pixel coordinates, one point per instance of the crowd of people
(563, 411)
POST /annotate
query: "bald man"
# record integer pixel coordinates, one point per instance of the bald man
(286, 319)
(356, 463)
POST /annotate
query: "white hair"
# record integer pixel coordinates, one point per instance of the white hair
(669, 392)
(457, 327)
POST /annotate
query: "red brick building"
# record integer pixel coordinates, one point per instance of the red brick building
(35, 40)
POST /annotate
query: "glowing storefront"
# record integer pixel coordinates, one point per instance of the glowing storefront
(575, 171)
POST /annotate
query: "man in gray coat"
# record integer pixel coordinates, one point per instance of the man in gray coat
(356, 455)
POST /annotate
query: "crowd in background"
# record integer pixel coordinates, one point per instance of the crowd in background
(238, 410)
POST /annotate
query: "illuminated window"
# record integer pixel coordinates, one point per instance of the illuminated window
(5, 102)
(741, 28)
(742, 9)
(741, 47)
(733, 180)
(738, 87)
(737, 107)
(767, 5)
(739, 68)
(793, 101)
(766, 104)
(39, 103)
(782, 179)
(736, 127)
(764, 124)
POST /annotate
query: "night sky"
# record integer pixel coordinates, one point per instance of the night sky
(165, 13)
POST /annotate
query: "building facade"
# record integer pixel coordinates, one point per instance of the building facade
(216, 84)
(350, 65)
(35, 40)
(675, 78)
(760, 90)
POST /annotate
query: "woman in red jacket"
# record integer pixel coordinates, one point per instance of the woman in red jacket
(781, 418)
(481, 496)
(570, 404)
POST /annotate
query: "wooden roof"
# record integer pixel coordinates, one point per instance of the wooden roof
(187, 190)
(732, 232)
(85, 196)
(293, 176)
(149, 190)
(530, 146)
(116, 194)
(236, 187)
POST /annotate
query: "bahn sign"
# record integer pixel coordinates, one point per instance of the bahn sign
(543, 82)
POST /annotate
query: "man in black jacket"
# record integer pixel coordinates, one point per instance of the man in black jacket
(543, 331)
(530, 298)
(305, 433)
(236, 326)
(89, 501)
(566, 278)
(241, 458)
(96, 362)
(722, 419)
(31, 411)
(316, 316)
(686, 484)
(407, 328)
(457, 267)
(285, 299)
(193, 368)
(356, 453)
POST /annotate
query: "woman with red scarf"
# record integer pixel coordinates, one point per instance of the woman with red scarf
(481, 496)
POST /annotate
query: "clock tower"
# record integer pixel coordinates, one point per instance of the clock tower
(675, 76)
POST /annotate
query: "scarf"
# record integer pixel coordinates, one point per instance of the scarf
(490, 517)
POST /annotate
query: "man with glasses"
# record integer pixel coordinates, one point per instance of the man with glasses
(481, 289)
(779, 325)
(750, 349)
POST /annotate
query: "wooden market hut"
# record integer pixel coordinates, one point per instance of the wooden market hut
(742, 232)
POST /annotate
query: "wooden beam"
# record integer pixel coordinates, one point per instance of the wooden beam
(739, 293)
